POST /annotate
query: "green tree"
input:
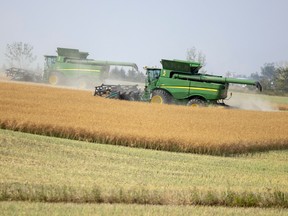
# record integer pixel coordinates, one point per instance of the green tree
(273, 78)
(114, 73)
(266, 77)
(141, 77)
(117, 73)
(132, 75)
(268, 71)
(281, 79)
(122, 73)
(20, 54)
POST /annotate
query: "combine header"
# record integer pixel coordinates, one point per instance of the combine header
(178, 82)
(122, 92)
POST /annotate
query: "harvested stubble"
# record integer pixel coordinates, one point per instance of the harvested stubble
(45, 209)
(78, 115)
(45, 169)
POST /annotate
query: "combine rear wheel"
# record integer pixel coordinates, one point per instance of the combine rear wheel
(196, 102)
(161, 97)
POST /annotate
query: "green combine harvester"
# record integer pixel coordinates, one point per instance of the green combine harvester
(178, 82)
(71, 67)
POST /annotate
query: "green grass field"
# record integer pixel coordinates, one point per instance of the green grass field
(44, 169)
(276, 99)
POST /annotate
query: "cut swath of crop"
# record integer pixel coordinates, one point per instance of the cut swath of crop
(78, 115)
(41, 193)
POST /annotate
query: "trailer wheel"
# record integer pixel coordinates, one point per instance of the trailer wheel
(196, 102)
(54, 79)
(161, 97)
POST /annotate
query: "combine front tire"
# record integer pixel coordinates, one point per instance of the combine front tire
(161, 97)
(196, 102)
(54, 79)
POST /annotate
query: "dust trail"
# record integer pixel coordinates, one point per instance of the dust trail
(250, 102)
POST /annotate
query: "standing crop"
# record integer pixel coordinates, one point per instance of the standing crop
(77, 115)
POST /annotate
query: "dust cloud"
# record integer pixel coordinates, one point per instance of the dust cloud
(123, 82)
(246, 101)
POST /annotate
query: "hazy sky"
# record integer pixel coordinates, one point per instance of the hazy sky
(237, 36)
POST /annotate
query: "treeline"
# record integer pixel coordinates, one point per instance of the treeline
(274, 78)
(129, 75)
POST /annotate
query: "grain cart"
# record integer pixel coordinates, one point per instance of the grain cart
(73, 68)
(179, 82)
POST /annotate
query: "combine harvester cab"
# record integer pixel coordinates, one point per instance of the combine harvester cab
(179, 82)
(71, 67)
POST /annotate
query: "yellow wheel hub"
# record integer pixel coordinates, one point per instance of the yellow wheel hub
(157, 99)
(194, 105)
(53, 79)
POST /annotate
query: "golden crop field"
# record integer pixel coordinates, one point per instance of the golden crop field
(78, 115)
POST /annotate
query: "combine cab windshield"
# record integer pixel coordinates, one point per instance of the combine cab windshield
(153, 74)
(49, 61)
